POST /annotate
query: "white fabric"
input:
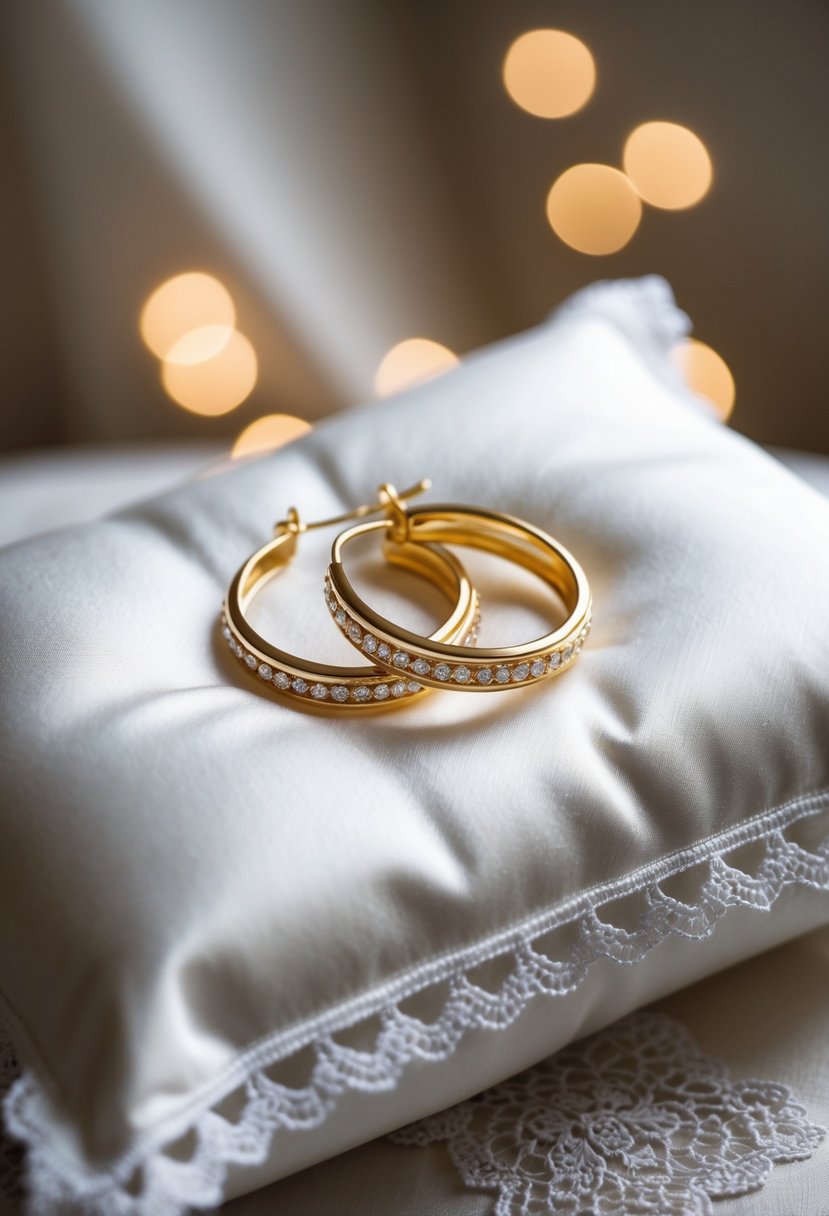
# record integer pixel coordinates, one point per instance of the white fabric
(52, 489)
(809, 467)
(201, 881)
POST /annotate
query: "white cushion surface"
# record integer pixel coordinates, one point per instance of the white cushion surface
(48, 488)
(201, 881)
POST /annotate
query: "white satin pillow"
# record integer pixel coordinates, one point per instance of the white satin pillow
(270, 936)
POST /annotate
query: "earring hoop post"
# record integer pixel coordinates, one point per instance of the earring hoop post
(387, 500)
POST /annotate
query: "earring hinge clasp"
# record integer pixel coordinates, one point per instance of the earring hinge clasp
(388, 500)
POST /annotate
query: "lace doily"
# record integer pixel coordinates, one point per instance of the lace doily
(634, 1119)
(150, 1181)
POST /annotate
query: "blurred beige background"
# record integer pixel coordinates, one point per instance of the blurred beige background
(355, 174)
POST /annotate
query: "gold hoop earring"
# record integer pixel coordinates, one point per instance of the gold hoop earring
(321, 683)
(440, 663)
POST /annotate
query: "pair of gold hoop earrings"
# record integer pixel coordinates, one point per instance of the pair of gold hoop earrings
(404, 665)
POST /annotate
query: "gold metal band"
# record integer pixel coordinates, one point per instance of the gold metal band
(438, 662)
(358, 687)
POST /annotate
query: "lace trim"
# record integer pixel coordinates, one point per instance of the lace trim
(633, 1119)
(160, 1185)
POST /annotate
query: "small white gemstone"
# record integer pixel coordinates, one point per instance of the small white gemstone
(265, 671)
(484, 676)
(502, 675)
(251, 660)
(462, 675)
(281, 680)
(398, 689)
(400, 658)
(341, 617)
(521, 671)
(383, 651)
(339, 692)
(555, 660)
(355, 632)
(538, 668)
(299, 685)
(226, 634)
(381, 692)
(413, 686)
(362, 693)
(420, 667)
(319, 692)
(237, 649)
(567, 654)
(369, 644)
(332, 603)
(442, 672)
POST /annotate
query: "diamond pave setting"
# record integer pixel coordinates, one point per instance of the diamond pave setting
(374, 688)
(484, 674)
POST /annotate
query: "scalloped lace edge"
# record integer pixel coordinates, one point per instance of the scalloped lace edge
(58, 1185)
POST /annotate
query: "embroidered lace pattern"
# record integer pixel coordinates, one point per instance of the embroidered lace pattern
(634, 1119)
(146, 1181)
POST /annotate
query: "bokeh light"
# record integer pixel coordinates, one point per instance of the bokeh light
(707, 374)
(184, 303)
(594, 208)
(410, 362)
(549, 73)
(269, 433)
(215, 385)
(668, 164)
(199, 344)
